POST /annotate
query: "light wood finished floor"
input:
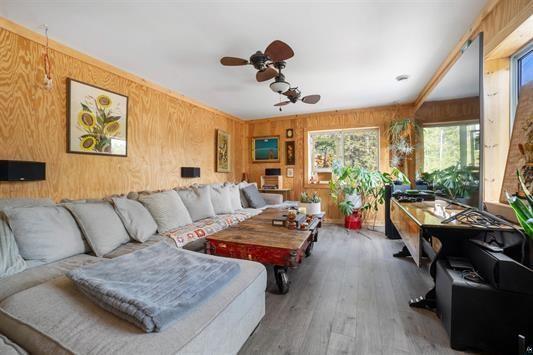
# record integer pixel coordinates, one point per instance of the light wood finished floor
(350, 297)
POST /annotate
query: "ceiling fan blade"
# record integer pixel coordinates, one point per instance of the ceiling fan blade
(311, 99)
(232, 61)
(279, 51)
(283, 103)
(267, 74)
(291, 93)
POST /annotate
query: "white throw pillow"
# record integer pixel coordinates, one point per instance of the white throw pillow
(168, 210)
(197, 199)
(235, 197)
(221, 199)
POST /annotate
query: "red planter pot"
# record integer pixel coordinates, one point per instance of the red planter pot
(353, 221)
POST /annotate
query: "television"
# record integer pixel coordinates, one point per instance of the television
(450, 156)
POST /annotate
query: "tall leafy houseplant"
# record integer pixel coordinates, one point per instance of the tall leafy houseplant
(455, 181)
(368, 184)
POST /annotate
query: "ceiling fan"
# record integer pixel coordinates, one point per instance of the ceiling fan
(268, 64)
(293, 95)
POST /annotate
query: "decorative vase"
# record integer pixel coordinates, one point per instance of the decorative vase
(311, 208)
(353, 221)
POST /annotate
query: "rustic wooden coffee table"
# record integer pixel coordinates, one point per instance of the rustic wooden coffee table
(258, 240)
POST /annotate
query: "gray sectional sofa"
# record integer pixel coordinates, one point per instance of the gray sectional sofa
(42, 311)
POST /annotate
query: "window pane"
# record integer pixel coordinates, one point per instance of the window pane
(325, 148)
(525, 69)
(445, 146)
(361, 148)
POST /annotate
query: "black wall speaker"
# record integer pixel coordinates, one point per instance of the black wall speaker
(273, 172)
(14, 170)
(190, 172)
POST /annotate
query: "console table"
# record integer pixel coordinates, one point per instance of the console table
(420, 226)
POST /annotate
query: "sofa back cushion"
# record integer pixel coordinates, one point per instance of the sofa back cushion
(45, 233)
(167, 209)
(197, 199)
(11, 262)
(100, 225)
(235, 197)
(138, 221)
(221, 198)
(254, 198)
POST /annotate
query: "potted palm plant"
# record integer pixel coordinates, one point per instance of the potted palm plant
(310, 202)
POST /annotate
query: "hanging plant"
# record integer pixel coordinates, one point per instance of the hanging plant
(401, 134)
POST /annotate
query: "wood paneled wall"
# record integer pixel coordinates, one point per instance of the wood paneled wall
(378, 117)
(164, 132)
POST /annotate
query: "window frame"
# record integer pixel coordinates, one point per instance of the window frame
(340, 149)
(515, 80)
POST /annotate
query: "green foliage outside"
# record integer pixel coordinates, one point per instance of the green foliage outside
(354, 148)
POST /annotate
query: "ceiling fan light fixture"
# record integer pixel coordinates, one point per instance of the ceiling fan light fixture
(279, 86)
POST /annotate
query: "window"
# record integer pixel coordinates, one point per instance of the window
(448, 145)
(522, 73)
(357, 147)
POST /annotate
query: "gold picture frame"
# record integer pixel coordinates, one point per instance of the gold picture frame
(223, 152)
(265, 149)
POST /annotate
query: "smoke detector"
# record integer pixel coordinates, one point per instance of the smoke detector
(402, 77)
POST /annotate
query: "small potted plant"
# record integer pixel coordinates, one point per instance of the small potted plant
(311, 202)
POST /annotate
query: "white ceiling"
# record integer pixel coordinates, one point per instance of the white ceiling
(462, 80)
(347, 51)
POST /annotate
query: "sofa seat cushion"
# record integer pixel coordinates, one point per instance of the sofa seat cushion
(39, 274)
(64, 320)
(7, 347)
(208, 226)
(134, 246)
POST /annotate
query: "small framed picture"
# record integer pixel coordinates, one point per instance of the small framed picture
(265, 149)
(290, 172)
(290, 153)
(289, 133)
(223, 151)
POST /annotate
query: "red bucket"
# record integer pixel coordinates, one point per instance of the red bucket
(353, 221)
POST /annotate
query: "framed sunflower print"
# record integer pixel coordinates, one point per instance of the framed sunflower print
(97, 120)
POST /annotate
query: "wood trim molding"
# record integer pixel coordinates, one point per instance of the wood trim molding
(56, 46)
(331, 112)
(513, 42)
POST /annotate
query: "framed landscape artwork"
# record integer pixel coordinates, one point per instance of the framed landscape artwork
(223, 152)
(265, 149)
(97, 120)
(290, 150)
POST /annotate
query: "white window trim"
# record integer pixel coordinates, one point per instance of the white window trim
(342, 131)
(514, 82)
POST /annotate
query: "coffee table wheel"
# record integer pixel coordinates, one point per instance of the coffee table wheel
(282, 279)
(309, 249)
